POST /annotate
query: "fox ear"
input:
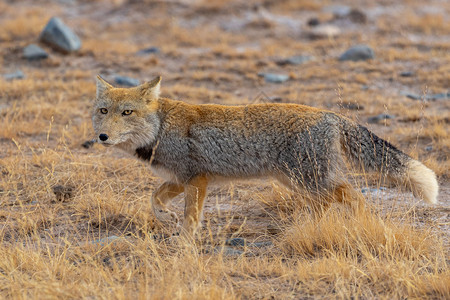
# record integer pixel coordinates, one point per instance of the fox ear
(150, 90)
(102, 86)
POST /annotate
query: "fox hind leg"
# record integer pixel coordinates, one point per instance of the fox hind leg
(161, 197)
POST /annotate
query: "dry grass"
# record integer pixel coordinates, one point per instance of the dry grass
(392, 248)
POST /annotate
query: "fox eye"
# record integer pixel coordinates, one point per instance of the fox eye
(103, 111)
(127, 112)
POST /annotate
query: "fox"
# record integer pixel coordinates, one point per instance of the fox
(191, 146)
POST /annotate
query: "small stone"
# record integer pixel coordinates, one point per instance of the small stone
(88, 144)
(380, 117)
(372, 190)
(313, 22)
(274, 78)
(150, 50)
(357, 16)
(407, 74)
(14, 75)
(60, 37)
(34, 52)
(428, 148)
(295, 60)
(63, 193)
(359, 52)
(236, 242)
(323, 31)
(126, 81)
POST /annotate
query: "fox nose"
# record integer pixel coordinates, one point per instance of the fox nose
(103, 137)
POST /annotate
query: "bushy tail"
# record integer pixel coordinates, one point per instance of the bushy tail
(376, 154)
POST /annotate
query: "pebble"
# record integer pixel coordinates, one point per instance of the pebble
(380, 117)
(372, 190)
(126, 81)
(407, 74)
(59, 36)
(357, 16)
(274, 78)
(313, 22)
(359, 52)
(34, 52)
(428, 148)
(295, 60)
(149, 50)
(323, 31)
(14, 75)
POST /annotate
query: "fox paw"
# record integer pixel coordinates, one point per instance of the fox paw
(166, 216)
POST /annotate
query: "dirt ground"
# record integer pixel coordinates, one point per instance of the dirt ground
(214, 52)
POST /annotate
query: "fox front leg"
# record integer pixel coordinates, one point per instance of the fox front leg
(195, 192)
(161, 197)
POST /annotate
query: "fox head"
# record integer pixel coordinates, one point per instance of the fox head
(126, 117)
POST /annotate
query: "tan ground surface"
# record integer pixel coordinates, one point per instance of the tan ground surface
(212, 52)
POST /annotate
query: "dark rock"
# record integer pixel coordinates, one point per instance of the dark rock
(407, 74)
(357, 16)
(236, 242)
(274, 78)
(150, 50)
(429, 97)
(14, 75)
(63, 193)
(60, 37)
(88, 144)
(359, 52)
(428, 148)
(313, 22)
(126, 81)
(295, 60)
(34, 52)
(380, 117)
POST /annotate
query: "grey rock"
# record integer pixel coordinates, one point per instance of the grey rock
(357, 16)
(14, 75)
(150, 50)
(236, 242)
(428, 148)
(295, 60)
(380, 117)
(126, 81)
(60, 37)
(359, 52)
(430, 97)
(34, 52)
(313, 22)
(274, 78)
(407, 74)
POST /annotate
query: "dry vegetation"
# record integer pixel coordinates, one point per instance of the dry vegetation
(58, 199)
